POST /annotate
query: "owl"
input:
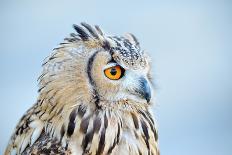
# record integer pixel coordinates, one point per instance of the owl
(95, 98)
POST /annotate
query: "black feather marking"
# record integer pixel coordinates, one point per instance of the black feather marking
(146, 138)
(41, 102)
(148, 117)
(139, 152)
(97, 124)
(118, 134)
(49, 120)
(74, 35)
(71, 40)
(41, 76)
(71, 124)
(81, 111)
(99, 30)
(59, 112)
(116, 140)
(135, 120)
(87, 139)
(89, 68)
(145, 131)
(134, 39)
(101, 144)
(40, 115)
(106, 45)
(105, 121)
(97, 99)
(62, 132)
(84, 124)
(156, 135)
(64, 43)
(91, 30)
(41, 89)
(81, 32)
(112, 147)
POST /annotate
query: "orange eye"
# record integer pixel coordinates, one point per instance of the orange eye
(114, 73)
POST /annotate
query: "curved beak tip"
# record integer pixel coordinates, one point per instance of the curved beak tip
(145, 90)
(147, 96)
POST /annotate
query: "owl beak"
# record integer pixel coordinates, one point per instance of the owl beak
(144, 90)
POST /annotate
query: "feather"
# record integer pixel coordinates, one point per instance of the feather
(81, 32)
(36, 134)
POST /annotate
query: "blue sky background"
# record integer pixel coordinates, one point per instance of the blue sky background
(191, 47)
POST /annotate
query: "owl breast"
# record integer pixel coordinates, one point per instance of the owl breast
(108, 131)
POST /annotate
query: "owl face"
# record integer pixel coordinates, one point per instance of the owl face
(120, 72)
(92, 67)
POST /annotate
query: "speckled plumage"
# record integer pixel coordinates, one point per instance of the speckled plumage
(80, 111)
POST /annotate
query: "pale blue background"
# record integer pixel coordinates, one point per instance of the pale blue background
(190, 43)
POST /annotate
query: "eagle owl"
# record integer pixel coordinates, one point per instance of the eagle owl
(95, 97)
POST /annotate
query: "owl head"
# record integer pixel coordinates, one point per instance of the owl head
(104, 71)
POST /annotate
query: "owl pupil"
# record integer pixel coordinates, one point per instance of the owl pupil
(113, 71)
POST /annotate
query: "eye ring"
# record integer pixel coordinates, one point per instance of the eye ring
(114, 72)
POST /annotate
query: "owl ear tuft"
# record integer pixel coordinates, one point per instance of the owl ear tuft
(81, 32)
(132, 39)
(87, 32)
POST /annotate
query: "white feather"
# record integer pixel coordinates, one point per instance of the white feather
(35, 135)
(24, 143)
(37, 125)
